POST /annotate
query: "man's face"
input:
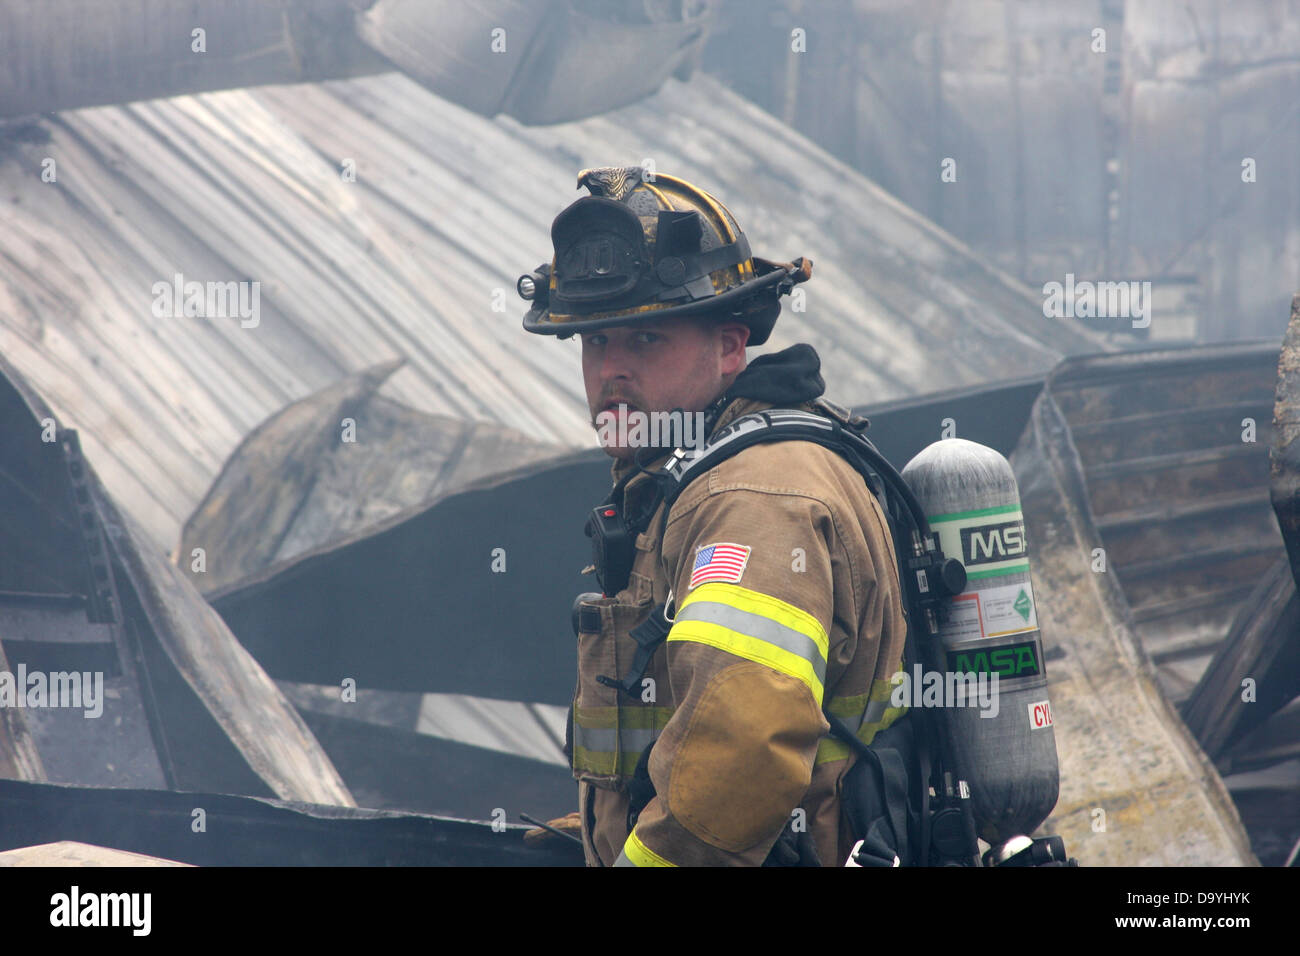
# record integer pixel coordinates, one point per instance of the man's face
(657, 367)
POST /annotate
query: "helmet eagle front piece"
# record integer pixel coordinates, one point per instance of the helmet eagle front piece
(643, 249)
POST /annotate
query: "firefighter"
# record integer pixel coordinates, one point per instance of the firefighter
(768, 591)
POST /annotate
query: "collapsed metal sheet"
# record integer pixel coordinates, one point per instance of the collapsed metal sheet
(1173, 445)
(415, 256)
(332, 464)
(66, 54)
(540, 62)
(1135, 787)
(262, 832)
(189, 707)
(412, 603)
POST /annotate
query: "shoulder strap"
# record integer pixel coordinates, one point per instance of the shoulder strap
(921, 564)
(776, 424)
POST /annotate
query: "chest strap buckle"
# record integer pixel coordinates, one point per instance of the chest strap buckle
(649, 634)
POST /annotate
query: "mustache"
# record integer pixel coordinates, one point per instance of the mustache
(617, 398)
(602, 410)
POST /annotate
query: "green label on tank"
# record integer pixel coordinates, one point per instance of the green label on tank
(1022, 604)
(1013, 660)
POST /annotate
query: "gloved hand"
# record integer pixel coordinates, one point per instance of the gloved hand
(572, 823)
(793, 849)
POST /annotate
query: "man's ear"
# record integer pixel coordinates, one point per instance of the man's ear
(734, 337)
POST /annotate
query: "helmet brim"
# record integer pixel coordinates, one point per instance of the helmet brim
(759, 319)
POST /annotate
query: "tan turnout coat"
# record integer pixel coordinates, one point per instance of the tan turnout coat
(801, 610)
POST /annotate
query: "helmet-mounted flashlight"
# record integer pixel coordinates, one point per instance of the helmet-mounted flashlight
(535, 284)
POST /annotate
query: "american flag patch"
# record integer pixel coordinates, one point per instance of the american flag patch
(719, 562)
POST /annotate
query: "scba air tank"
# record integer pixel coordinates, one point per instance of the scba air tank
(1005, 748)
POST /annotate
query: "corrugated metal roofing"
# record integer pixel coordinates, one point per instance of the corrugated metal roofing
(415, 258)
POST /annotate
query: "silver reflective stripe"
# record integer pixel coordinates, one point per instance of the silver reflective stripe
(687, 461)
(874, 714)
(623, 860)
(793, 417)
(760, 627)
(604, 740)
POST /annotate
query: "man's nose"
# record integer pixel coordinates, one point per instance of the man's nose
(614, 363)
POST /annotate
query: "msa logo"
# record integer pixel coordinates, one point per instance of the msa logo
(987, 543)
(1040, 715)
(1015, 660)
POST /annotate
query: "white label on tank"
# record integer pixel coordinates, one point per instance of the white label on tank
(993, 612)
(1007, 609)
(963, 622)
(1040, 715)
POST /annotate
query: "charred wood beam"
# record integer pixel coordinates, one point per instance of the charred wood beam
(1192, 561)
(1177, 511)
(1255, 671)
(1275, 740)
(1204, 601)
(1172, 461)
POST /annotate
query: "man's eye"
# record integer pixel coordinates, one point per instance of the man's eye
(645, 338)
(595, 339)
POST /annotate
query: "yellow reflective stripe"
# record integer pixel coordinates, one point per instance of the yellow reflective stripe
(856, 706)
(603, 762)
(770, 607)
(609, 740)
(636, 853)
(829, 750)
(648, 717)
(832, 748)
(757, 627)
